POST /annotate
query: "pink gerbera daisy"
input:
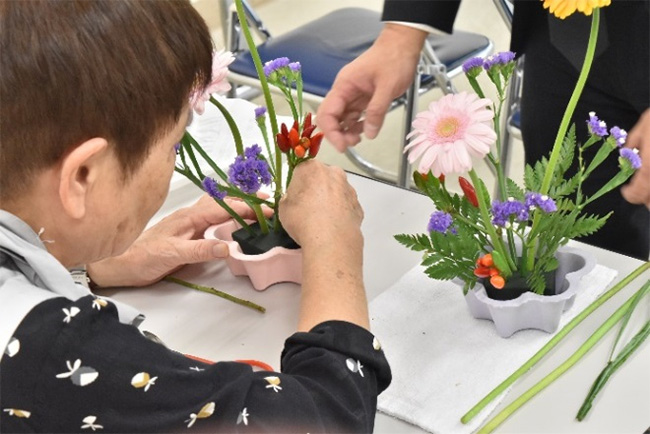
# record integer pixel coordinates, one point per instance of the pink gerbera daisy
(453, 129)
(220, 62)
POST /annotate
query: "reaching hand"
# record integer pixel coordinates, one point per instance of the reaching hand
(165, 247)
(365, 88)
(638, 190)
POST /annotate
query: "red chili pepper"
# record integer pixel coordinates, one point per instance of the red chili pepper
(307, 123)
(486, 260)
(469, 191)
(315, 144)
(482, 272)
(497, 281)
(300, 151)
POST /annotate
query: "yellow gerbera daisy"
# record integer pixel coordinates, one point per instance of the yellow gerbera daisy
(564, 8)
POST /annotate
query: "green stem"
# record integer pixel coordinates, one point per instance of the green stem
(189, 175)
(264, 226)
(627, 319)
(190, 153)
(261, 123)
(236, 135)
(557, 372)
(243, 21)
(553, 342)
(222, 203)
(205, 157)
(497, 241)
(564, 124)
(216, 292)
(612, 367)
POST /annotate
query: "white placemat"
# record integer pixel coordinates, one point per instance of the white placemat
(443, 360)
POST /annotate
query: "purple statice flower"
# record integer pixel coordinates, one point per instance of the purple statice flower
(253, 152)
(541, 201)
(631, 155)
(212, 188)
(440, 221)
(596, 126)
(500, 59)
(295, 66)
(619, 134)
(249, 171)
(259, 112)
(502, 211)
(473, 65)
(275, 64)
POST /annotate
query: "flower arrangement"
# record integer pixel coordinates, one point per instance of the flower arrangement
(516, 234)
(286, 147)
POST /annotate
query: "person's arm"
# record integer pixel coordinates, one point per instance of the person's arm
(321, 212)
(638, 190)
(173, 242)
(78, 369)
(364, 89)
(439, 14)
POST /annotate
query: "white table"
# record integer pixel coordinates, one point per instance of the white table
(213, 328)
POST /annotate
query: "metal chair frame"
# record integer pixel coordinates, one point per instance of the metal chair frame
(510, 129)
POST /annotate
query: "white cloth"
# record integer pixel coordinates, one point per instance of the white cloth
(443, 360)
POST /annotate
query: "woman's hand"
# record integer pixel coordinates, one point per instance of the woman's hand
(167, 246)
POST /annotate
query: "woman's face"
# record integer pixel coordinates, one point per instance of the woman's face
(130, 204)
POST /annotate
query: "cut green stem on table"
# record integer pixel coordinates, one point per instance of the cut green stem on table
(613, 364)
(497, 420)
(216, 292)
(553, 342)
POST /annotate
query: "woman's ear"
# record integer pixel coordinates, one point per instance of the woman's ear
(80, 169)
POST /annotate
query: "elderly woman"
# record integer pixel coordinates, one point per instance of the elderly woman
(94, 98)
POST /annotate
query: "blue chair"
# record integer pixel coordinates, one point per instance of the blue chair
(327, 44)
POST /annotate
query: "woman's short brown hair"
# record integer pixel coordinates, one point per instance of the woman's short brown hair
(74, 70)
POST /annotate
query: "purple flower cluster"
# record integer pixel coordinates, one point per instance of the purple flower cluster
(275, 64)
(596, 126)
(502, 211)
(440, 221)
(537, 200)
(259, 112)
(294, 66)
(500, 59)
(619, 134)
(249, 171)
(631, 155)
(212, 188)
(471, 64)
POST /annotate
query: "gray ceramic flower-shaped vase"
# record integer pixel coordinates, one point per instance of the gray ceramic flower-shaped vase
(530, 310)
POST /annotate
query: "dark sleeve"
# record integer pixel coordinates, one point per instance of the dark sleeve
(440, 14)
(77, 369)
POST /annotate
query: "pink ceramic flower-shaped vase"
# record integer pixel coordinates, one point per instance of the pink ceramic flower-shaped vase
(277, 265)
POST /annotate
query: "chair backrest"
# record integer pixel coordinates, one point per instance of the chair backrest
(327, 44)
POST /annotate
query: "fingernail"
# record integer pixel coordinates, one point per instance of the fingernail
(220, 250)
(370, 130)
